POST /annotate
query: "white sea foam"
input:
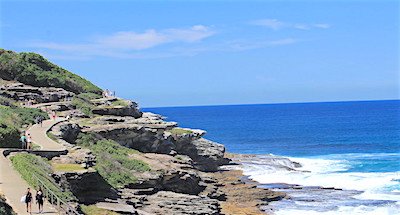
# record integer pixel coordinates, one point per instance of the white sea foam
(361, 210)
(329, 172)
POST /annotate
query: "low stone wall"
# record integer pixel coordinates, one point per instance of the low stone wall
(42, 153)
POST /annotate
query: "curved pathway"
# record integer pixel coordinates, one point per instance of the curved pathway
(11, 183)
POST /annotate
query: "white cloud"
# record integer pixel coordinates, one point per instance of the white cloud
(257, 44)
(117, 44)
(322, 26)
(153, 43)
(275, 24)
(152, 38)
(269, 23)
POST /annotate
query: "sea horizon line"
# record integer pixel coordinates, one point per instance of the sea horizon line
(277, 103)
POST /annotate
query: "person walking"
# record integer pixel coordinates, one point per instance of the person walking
(41, 121)
(40, 199)
(28, 141)
(28, 201)
(23, 140)
(53, 114)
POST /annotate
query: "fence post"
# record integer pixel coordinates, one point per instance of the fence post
(58, 205)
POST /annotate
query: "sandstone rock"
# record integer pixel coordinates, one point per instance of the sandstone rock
(89, 187)
(131, 109)
(67, 131)
(207, 155)
(165, 202)
(135, 136)
(117, 207)
(77, 155)
(22, 92)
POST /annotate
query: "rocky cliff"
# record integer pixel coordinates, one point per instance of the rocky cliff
(123, 160)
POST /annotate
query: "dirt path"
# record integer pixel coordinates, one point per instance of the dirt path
(11, 183)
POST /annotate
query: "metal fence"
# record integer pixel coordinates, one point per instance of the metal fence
(61, 206)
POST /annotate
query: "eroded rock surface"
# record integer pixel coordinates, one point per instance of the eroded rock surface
(22, 92)
(130, 109)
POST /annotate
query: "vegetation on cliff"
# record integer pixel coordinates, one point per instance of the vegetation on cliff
(33, 69)
(31, 167)
(93, 210)
(113, 161)
(83, 104)
(12, 119)
(5, 209)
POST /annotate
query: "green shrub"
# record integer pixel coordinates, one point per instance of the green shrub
(29, 165)
(28, 115)
(11, 122)
(9, 136)
(5, 209)
(120, 102)
(33, 69)
(113, 162)
(89, 96)
(83, 104)
(7, 102)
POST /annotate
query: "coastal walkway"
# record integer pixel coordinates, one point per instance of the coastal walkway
(50, 104)
(11, 183)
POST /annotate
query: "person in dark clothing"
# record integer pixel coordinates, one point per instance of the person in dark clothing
(28, 200)
(39, 199)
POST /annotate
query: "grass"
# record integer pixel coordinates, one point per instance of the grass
(120, 102)
(58, 167)
(178, 157)
(33, 69)
(112, 160)
(180, 131)
(29, 165)
(93, 210)
(52, 136)
(35, 147)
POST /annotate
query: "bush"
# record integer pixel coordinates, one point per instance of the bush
(11, 122)
(29, 165)
(113, 162)
(83, 104)
(7, 102)
(89, 96)
(33, 69)
(5, 209)
(9, 136)
(120, 102)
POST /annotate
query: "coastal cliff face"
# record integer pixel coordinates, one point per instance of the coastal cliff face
(121, 159)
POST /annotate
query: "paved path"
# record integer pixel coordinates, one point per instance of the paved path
(49, 104)
(11, 183)
(39, 135)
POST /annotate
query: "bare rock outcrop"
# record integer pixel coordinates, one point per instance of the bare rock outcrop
(22, 92)
(130, 109)
(165, 202)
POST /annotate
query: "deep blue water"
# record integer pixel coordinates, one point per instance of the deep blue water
(350, 145)
(303, 129)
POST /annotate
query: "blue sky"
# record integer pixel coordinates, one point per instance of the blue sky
(179, 53)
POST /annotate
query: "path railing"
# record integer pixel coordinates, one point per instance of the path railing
(61, 206)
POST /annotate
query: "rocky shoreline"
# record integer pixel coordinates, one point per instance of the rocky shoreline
(126, 161)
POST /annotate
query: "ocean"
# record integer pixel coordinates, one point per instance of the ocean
(348, 152)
